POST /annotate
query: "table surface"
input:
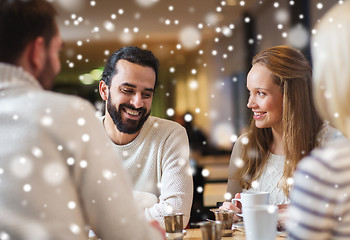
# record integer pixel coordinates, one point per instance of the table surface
(195, 234)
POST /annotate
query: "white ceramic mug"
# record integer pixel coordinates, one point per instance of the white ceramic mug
(260, 222)
(251, 198)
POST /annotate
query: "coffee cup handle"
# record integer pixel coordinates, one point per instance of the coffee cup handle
(240, 200)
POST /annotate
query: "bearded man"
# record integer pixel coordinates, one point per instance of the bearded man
(154, 151)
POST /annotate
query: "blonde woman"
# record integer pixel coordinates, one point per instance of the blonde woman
(285, 126)
(320, 204)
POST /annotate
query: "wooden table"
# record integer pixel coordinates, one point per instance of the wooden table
(195, 234)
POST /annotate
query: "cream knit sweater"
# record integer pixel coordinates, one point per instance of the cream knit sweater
(157, 161)
(268, 181)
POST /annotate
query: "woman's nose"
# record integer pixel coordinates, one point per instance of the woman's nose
(251, 102)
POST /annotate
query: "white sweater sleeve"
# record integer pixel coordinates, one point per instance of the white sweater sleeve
(176, 190)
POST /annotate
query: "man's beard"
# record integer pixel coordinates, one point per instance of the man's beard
(130, 126)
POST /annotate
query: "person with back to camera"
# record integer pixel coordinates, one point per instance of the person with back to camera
(58, 172)
(320, 206)
(154, 151)
(285, 126)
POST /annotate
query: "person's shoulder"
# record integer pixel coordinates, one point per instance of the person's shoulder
(163, 128)
(328, 133)
(61, 105)
(333, 155)
(67, 101)
(165, 124)
(333, 149)
(242, 139)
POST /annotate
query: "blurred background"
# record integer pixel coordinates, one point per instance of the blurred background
(204, 47)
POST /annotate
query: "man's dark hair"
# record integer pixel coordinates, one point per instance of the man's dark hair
(131, 54)
(21, 21)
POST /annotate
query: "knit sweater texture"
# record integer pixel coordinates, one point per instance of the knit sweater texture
(58, 170)
(273, 171)
(157, 161)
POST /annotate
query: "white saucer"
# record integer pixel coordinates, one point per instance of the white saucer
(282, 234)
(176, 235)
(239, 226)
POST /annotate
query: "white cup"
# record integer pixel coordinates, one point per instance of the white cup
(249, 199)
(260, 222)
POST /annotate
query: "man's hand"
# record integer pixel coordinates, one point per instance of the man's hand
(156, 225)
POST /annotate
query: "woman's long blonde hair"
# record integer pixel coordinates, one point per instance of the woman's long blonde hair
(331, 60)
(300, 122)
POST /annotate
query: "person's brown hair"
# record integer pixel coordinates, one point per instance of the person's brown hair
(301, 124)
(21, 22)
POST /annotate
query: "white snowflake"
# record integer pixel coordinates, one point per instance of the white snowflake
(27, 187)
(21, 167)
(81, 121)
(74, 228)
(54, 173)
(83, 163)
(205, 172)
(188, 37)
(71, 205)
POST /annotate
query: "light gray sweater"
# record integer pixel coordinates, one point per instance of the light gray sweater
(58, 170)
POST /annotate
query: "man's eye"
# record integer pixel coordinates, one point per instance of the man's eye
(260, 93)
(146, 95)
(126, 90)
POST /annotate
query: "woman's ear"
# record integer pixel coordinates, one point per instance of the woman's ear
(103, 88)
(37, 55)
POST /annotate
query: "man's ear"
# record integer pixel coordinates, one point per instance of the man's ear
(37, 55)
(103, 88)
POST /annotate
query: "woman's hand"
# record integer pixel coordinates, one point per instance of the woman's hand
(234, 207)
(282, 217)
